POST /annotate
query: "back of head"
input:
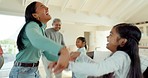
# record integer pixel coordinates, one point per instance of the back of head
(133, 36)
(128, 31)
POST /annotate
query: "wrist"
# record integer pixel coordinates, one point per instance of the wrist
(63, 51)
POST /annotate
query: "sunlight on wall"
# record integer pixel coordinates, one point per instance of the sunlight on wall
(101, 40)
(10, 26)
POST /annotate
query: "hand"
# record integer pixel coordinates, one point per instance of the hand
(52, 65)
(74, 55)
(63, 61)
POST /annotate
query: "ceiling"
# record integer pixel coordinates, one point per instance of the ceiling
(89, 12)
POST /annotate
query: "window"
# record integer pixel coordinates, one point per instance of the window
(142, 30)
(147, 30)
(9, 29)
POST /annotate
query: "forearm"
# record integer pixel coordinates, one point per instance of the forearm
(89, 69)
(50, 57)
(109, 65)
(85, 58)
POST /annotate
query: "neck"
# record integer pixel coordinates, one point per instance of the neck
(44, 22)
(113, 51)
(55, 29)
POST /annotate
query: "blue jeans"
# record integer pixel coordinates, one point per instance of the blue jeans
(24, 72)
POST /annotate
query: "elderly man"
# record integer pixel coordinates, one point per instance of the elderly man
(53, 34)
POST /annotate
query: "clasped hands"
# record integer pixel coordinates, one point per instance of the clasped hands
(63, 60)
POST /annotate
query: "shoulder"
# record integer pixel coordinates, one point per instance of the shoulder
(32, 24)
(81, 49)
(121, 55)
(60, 33)
(49, 30)
(119, 59)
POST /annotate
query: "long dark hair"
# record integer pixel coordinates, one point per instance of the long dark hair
(133, 36)
(83, 40)
(31, 8)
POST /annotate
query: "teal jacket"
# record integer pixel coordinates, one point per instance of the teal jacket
(36, 42)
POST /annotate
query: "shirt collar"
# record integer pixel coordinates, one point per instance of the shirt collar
(44, 26)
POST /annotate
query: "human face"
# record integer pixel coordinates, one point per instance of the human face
(57, 26)
(113, 40)
(42, 13)
(79, 43)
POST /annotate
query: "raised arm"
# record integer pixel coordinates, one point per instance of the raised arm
(35, 35)
(111, 64)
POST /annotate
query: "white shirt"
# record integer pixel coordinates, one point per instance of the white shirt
(83, 52)
(119, 63)
(144, 62)
(102, 55)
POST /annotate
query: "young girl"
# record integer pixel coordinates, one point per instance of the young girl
(82, 48)
(81, 45)
(123, 63)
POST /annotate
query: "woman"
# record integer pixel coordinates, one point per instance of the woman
(31, 42)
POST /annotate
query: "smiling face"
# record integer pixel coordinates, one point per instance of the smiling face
(41, 13)
(56, 25)
(79, 43)
(113, 40)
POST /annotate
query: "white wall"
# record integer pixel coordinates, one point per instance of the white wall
(97, 35)
(144, 39)
(72, 31)
(101, 37)
(101, 40)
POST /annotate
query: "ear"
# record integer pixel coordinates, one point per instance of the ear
(122, 42)
(84, 43)
(35, 16)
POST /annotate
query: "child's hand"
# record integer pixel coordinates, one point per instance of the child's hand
(74, 55)
(52, 65)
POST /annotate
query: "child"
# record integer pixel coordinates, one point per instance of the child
(81, 45)
(123, 63)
